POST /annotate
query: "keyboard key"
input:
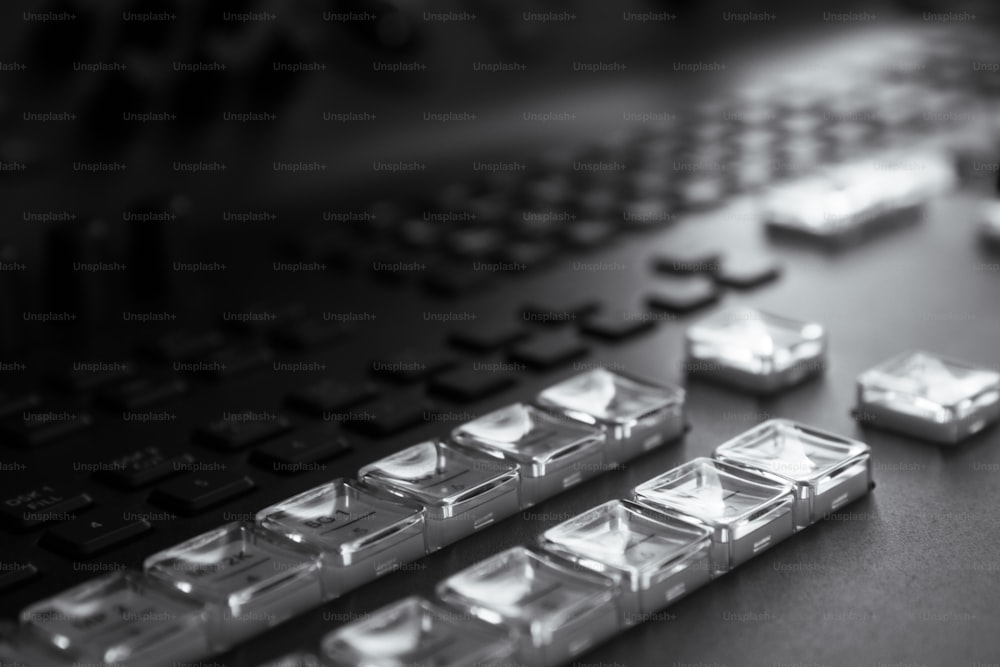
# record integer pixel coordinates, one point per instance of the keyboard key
(16, 573)
(486, 336)
(362, 532)
(682, 295)
(389, 415)
(928, 396)
(248, 579)
(242, 429)
(554, 452)
(660, 557)
(38, 426)
(754, 351)
(558, 311)
(589, 233)
(470, 383)
(413, 365)
(13, 404)
(98, 531)
(185, 343)
(549, 350)
(330, 395)
(462, 490)
(31, 507)
(557, 612)
(199, 491)
(827, 471)
(118, 619)
(617, 325)
(747, 270)
(308, 334)
(635, 415)
(142, 466)
(721, 496)
(297, 451)
(237, 359)
(414, 631)
(143, 391)
(85, 377)
(688, 259)
(526, 254)
(454, 278)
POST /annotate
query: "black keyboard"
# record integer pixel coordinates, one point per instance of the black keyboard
(553, 402)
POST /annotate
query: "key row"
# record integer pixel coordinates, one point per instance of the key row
(617, 564)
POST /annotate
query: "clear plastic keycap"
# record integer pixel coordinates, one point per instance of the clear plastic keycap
(747, 512)
(462, 490)
(248, 579)
(929, 397)
(360, 532)
(635, 415)
(417, 633)
(656, 558)
(555, 610)
(119, 619)
(755, 351)
(553, 451)
(827, 470)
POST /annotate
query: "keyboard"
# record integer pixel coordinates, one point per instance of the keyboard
(557, 402)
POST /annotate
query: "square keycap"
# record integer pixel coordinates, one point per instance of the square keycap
(827, 470)
(755, 351)
(929, 397)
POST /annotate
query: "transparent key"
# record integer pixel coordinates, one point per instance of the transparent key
(360, 532)
(747, 512)
(247, 578)
(656, 558)
(635, 415)
(119, 619)
(417, 633)
(755, 351)
(554, 452)
(463, 490)
(556, 611)
(827, 470)
(929, 397)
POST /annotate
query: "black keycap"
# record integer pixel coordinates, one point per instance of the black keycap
(231, 434)
(682, 295)
(307, 334)
(546, 351)
(618, 326)
(98, 531)
(143, 391)
(454, 278)
(15, 573)
(88, 376)
(589, 233)
(262, 317)
(486, 336)
(475, 242)
(525, 255)
(295, 452)
(474, 381)
(142, 466)
(237, 359)
(185, 344)
(199, 491)
(747, 270)
(688, 259)
(39, 426)
(34, 506)
(558, 311)
(413, 365)
(13, 404)
(330, 395)
(388, 415)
